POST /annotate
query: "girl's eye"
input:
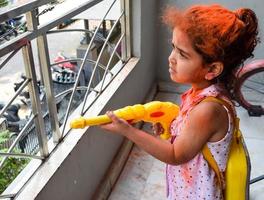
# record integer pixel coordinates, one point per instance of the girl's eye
(178, 51)
(182, 55)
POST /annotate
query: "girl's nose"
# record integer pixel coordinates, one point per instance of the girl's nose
(171, 58)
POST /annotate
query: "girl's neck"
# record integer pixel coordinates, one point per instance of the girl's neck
(200, 86)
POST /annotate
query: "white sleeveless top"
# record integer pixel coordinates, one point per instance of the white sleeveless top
(195, 179)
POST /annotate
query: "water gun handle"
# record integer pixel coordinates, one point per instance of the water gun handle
(91, 121)
(166, 134)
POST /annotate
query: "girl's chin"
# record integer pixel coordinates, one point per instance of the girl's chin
(174, 78)
(177, 79)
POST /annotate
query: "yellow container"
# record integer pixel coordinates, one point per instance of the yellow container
(238, 170)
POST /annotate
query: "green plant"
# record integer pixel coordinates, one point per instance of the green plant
(11, 168)
(4, 136)
(3, 3)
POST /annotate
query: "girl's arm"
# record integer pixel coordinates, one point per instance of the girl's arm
(207, 121)
(158, 148)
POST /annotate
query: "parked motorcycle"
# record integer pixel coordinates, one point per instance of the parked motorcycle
(64, 76)
(12, 27)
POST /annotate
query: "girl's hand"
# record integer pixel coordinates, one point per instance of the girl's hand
(118, 125)
(157, 129)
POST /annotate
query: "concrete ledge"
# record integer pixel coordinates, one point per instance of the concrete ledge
(77, 165)
(116, 167)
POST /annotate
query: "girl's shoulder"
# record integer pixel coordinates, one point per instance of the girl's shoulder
(189, 101)
(211, 113)
(205, 105)
(213, 117)
(208, 110)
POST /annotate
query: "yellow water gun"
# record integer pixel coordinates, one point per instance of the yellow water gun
(154, 112)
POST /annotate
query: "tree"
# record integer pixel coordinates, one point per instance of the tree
(3, 3)
(12, 166)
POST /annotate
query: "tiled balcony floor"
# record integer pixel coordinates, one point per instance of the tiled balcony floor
(143, 177)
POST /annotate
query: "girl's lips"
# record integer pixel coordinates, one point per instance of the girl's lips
(171, 70)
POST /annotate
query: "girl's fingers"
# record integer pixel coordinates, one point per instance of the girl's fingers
(112, 116)
(157, 128)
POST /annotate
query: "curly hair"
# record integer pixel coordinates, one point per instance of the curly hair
(217, 34)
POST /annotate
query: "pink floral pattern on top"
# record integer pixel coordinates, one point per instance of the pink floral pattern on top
(195, 179)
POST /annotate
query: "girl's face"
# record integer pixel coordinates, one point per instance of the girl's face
(185, 64)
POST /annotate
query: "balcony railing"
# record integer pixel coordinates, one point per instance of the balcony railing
(49, 106)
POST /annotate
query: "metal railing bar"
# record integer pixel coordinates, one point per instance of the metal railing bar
(4, 196)
(35, 100)
(17, 139)
(87, 31)
(110, 60)
(94, 90)
(9, 57)
(14, 96)
(96, 95)
(97, 92)
(94, 99)
(19, 40)
(125, 27)
(17, 10)
(70, 90)
(21, 155)
(42, 29)
(98, 59)
(78, 59)
(46, 74)
(32, 20)
(82, 66)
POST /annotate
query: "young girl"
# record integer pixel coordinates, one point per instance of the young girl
(208, 42)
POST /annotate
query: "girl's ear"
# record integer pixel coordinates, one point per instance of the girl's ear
(214, 70)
